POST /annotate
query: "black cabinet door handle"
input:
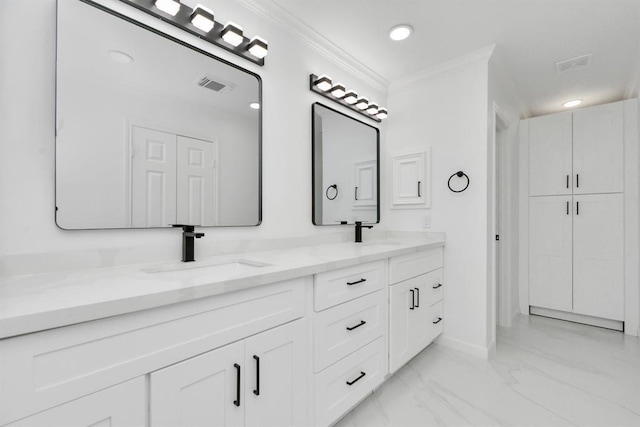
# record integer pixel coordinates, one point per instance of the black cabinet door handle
(577, 180)
(577, 208)
(567, 181)
(437, 321)
(237, 401)
(418, 297)
(362, 374)
(419, 188)
(351, 328)
(257, 389)
(439, 285)
(413, 298)
(567, 208)
(356, 193)
(356, 282)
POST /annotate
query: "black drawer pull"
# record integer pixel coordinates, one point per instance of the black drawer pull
(438, 321)
(567, 181)
(362, 374)
(577, 180)
(362, 322)
(356, 282)
(257, 389)
(413, 299)
(237, 401)
(439, 285)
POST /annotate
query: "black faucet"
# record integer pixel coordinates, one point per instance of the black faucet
(359, 228)
(188, 235)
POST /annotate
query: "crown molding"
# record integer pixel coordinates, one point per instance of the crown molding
(316, 41)
(481, 55)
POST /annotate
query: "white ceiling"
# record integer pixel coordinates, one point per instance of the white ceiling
(530, 35)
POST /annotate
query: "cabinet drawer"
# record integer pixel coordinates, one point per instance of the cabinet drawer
(338, 286)
(411, 265)
(345, 383)
(434, 283)
(436, 320)
(343, 329)
(44, 369)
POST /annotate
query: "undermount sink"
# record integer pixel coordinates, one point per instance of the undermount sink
(194, 270)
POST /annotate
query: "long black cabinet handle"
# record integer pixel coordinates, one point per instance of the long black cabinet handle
(418, 299)
(439, 285)
(237, 401)
(567, 181)
(351, 328)
(438, 321)
(356, 282)
(419, 188)
(577, 180)
(413, 299)
(577, 208)
(362, 374)
(356, 193)
(567, 208)
(257, 389)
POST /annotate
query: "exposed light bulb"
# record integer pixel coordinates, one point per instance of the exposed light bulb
(172, 7)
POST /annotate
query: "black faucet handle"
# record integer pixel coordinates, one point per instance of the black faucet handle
(186, 227)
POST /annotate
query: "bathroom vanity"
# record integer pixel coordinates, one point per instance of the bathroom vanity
(286, 337)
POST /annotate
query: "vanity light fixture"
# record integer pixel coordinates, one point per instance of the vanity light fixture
(202, 18)
(572, 103)
(172, 7)
(200, 22)
(323, 86)
(338, 90)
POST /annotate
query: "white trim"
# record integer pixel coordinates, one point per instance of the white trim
(577, 318)
(523, 217)
(316, 41)
(456, 344)
(481, 55)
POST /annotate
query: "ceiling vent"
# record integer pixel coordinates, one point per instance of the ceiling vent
(573, 63)
(215, 84)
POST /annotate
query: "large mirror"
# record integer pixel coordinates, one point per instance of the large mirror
(345, 169)
(149, 130)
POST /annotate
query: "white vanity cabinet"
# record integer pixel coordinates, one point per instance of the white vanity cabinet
(350, 337)
(254, 382)
(415, 304)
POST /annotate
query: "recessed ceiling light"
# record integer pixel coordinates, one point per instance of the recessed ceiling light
(255, 105)
(400, 32)
(572, 103)
(120, 57)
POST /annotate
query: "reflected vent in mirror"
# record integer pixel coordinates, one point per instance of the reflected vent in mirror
(215, 84)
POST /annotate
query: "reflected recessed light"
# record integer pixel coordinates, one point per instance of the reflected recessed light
(120, 57)
(202, 18)
(400, 32)
(572, 103)
(172, 7)
(255, 105)
(232, 34)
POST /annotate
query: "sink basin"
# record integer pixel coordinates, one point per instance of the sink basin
(214, 270)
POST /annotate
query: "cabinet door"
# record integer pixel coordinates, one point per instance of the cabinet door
(408, 317)
(598, 275)
(202, 391)
(550, 165)
(550, 254)
(122, 405)
(410, 186)
(275, 379)
(598, 149)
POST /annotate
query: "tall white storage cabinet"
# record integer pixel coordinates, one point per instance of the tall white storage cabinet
(576, 213)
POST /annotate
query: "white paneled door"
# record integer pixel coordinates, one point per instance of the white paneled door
(196, 184)
(550, 252)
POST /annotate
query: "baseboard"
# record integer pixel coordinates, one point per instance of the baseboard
(463, 346)
(578, 318)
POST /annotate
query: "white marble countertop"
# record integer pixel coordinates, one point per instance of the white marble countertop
(44, 301)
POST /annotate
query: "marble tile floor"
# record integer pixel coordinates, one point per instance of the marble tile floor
(545, 372)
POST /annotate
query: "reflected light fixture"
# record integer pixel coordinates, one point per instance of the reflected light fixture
(255, 105)
(232, 34)
(338, 90)
(572, 103)
(323, 83)
(324, 86)
(199, 21)
(362, 103)
(350, 97)
(258, 47)
(172, 7)
(400, 32)
(202, 18)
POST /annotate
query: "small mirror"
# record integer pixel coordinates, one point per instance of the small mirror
(346, 155)
(150, 131)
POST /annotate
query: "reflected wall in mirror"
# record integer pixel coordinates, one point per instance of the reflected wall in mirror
(346, 164)
(149, 130)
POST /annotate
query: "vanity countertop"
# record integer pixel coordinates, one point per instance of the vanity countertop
(44, 301)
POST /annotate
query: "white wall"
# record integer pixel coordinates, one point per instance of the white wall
(27, 114)
(447, 110)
